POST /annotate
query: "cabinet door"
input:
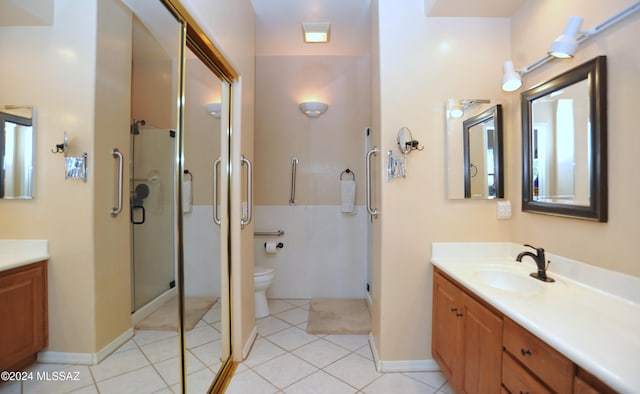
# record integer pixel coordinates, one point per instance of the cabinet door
(446, 325)
(482, 344)
(23, 310)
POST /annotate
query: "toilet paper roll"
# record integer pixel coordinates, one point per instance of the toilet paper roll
(271, 247)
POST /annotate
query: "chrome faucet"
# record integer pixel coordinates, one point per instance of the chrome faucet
(541, 262)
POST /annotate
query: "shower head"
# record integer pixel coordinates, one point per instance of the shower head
(135, 130)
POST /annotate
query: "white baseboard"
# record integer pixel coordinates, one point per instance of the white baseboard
(247, 346)
(401, 365)
(85, 358)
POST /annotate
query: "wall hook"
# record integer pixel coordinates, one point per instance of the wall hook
(62, 148)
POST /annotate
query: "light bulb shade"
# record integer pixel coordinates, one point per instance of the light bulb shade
(313, 109)
(566, 45)
(214, 109)
(455, 109)
(511, 80)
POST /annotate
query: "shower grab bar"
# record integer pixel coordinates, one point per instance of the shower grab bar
(294, 168)
(278, 233)
(216, 165)
(246, 220)
(116, 154)
(373, 212)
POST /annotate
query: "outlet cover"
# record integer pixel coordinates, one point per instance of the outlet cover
(503, 209)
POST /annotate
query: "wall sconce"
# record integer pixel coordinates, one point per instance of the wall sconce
(215, 109)
(563, 47)
(313, 109)
(456, 108)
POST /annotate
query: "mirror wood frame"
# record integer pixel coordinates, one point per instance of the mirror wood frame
(494, 113)
(595, 73)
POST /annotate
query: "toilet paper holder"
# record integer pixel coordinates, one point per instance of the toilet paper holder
(280, 245)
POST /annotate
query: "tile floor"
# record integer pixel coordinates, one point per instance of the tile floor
(285, 359)
(147, 363)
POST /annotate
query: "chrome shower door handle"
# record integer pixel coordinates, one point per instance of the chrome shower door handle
(373, 212)
(294, 170)
(246, 220)
(216, 165)
(118, 208)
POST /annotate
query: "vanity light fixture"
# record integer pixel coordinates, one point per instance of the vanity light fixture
(564, 46)
(316, 31)
(215, 109)
(313, 109)
(456, 108)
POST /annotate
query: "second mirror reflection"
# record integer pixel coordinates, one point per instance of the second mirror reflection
(475, 163)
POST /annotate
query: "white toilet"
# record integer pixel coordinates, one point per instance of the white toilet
(262, 278)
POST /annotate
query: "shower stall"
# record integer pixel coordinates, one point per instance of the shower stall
(152, 212)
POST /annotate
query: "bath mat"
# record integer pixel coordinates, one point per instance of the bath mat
(165, 318)
(338, 316)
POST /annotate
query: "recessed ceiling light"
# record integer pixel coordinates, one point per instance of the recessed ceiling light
(316, 31)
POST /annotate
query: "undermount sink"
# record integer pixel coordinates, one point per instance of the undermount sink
(508, 281)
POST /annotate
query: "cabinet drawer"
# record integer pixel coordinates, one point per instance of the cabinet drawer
(551, 367)
(518, 380)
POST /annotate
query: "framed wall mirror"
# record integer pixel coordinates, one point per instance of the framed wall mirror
(475, 151)
(564, 142)
(17, 152)
(483, 155)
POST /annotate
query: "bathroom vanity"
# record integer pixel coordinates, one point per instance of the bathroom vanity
(23, 302)
(495, 329)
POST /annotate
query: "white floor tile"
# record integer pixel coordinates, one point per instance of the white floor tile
(45, 380)
(447, 389)
(276, 306)
(291, 338)
(433, 379)
(86, 390)
(212, 315)
(365, 351)
(119, 363)
(284, 370)
(294, 316)
(320, 353)
(145, 380)
(200, 336)
(199, 382)
(170, 369)
(262, 351)
(354, 370)
(208, 353)
(300, 302)
(270, 325)
(144, 337)
(351, 342)
(11, 387)
(320, 383)
(397, 383)
(250, 382)
(130, 344)
(161, 350)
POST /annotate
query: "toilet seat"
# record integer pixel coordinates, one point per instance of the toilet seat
(262, 271)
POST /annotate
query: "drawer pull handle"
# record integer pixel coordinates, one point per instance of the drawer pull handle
(454, 309)
(524, 392)
(526, 352)
(459, 314)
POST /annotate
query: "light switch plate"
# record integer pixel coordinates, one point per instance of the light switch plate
(503, 209)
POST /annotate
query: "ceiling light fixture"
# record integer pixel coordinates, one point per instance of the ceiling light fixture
(456, 108)
(564, 46)
(313, 109)
(316, 31)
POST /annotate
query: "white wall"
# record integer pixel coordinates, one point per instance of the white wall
(324, 254)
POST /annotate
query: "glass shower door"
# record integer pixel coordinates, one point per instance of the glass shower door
(152, 212)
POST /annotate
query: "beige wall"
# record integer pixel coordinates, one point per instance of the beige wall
(89, 264)
(610, 245)
(424, 61)
(231, 27)
(325, 146)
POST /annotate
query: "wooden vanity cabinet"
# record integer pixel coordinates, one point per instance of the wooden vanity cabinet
(23, 312)
(467, 339)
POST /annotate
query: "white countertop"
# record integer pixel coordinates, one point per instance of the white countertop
(16, 253)
(595, 325)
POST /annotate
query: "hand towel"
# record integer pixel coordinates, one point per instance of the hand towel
(348, 196)
(186, 196)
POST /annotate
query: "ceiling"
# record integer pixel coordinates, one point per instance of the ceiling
(279, 30)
